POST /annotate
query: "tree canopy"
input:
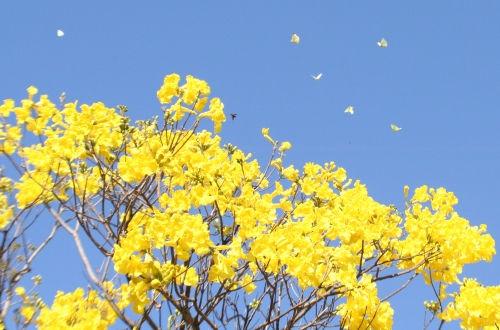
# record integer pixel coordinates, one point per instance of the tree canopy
(192, 233)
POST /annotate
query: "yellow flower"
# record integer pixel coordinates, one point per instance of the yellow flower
(194, 89)
(247, 284)
(27, 312)
(265, 134)
(406, 190)
(421, 195)
(169, 89)
(285, 146)
(215, 114)
(32, 91)
(191, 277)
(7, 107)
(200, 104)
(6, 212)
(277, 163)
(291, 173)
(20, 291)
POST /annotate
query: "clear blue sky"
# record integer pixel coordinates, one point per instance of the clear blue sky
(439, 80)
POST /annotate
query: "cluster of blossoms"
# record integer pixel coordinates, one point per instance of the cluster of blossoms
(190, 223)
(475, 305)
(75, 310)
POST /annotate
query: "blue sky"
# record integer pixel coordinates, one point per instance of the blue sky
(439, 80)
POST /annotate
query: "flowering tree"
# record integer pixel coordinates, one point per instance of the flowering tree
(194, 234)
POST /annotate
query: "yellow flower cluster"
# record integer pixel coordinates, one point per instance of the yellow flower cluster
(440, 240)
(476, 306)
(194, 93)
(76, 310)
(364, 310)
(9, 138)
(191, 92)
(147, 232)
(6, 211)
(69, 137)
(349, 217)
(29, 306)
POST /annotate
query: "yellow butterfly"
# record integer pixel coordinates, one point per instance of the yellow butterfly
(295, 39)
(317, 77)
(349, 110)
(62, 97)
(395, 128)
(382, 43)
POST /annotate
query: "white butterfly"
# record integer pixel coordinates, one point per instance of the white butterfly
(395, 128)
(60, 33)
(317, 77)
(382, 43)
(295, 39)
(349, 110)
